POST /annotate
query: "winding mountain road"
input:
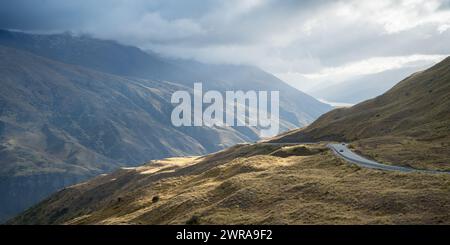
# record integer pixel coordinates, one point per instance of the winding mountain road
(342, 151)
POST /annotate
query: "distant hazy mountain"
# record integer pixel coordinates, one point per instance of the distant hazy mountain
(74, 107)
(364, 87)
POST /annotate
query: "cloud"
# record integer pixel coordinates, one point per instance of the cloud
(150, 27)
(371, 66)
(300, 41)
(374, 65)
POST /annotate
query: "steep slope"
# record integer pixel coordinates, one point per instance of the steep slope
(296, 108)
(411, 119)
(61, 123)
(250, 184)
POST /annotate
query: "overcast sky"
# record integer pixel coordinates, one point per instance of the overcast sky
(306, 43)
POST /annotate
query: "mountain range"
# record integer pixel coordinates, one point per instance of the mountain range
(73, 107)
(293, 178)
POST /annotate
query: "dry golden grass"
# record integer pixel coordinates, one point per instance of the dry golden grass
(406, 151)
(408, 125)
(237, 187)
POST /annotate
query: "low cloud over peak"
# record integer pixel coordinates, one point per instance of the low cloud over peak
(296, 40)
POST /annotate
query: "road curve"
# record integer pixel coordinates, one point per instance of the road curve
(343, 152)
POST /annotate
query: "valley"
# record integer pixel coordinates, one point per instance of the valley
(73, 107)
(251, 184)
(301, 176)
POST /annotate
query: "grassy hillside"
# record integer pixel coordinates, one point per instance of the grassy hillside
(408, 125)
(291, 184)
(250, 184)
(61, 123)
